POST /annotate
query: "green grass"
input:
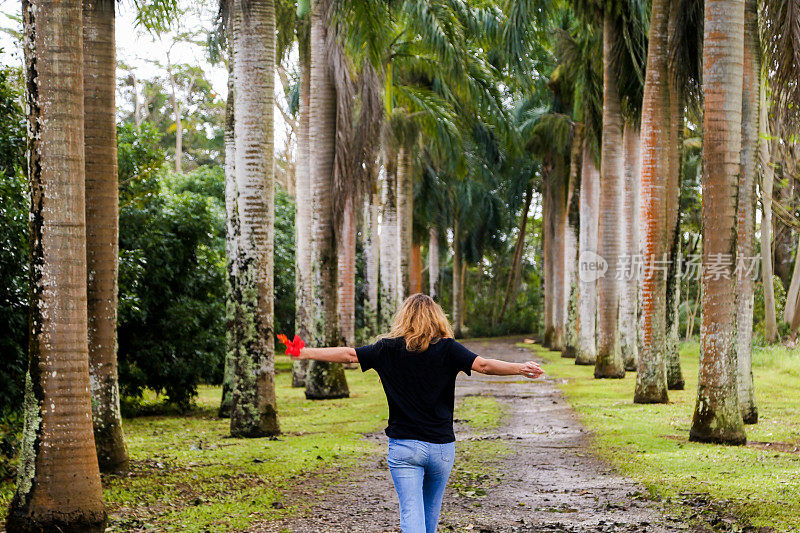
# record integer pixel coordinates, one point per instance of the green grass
(480, 413)
(188, 475)
(649, 442)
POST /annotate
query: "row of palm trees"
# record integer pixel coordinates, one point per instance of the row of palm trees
(627, 100)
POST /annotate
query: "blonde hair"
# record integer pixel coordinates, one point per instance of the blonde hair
(421, 322)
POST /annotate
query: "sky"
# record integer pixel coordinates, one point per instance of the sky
(139, 49)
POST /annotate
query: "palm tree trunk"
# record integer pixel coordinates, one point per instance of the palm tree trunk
(253, 410)
(746, 218)
(651, 375)
(324, 380)
(58, 484)
(233, 321)
(672, 357)
(433, 262)
(571, 244)
(767, 182)
(388, 245)
(558, 251)
(347, 275)
(547, 255)
(416, 269)
(516, 262)
(609, 362)
(372, 254)
(586, 349)
(717, 417)
(102, 229)
(458, 312)
(629, 299)
(405, 220)
(303, 242)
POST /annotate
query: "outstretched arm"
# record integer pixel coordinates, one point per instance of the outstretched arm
(496, 367)
(343, 354)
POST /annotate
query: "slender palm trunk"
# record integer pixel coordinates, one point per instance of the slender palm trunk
(559, 270)
(609, 362)
(585, 323)
(651, 375)
(324, 380)
(629, 299)
(547, 256)
(346, 296)
(372, 254)
(253, 410)
(388, 245)
(767, 182)
(672, 358)
(433, 262)
(233, 321)
(58, 484)
(516, 262)
(746, 219)
(405, 220)
(458, 311)
(416, 269)
(571, 244)
(102, 229)
(303, 242)
(717, 417)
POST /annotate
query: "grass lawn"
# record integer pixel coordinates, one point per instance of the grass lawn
(649, 442)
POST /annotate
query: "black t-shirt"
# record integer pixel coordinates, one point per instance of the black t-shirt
(420, 386)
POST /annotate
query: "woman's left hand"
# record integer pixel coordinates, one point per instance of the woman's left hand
(531, 370)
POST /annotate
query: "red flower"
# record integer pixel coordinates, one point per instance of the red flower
(292, 347)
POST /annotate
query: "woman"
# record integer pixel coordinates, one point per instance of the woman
(418, 362)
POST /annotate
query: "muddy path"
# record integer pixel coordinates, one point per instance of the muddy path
(549, 479)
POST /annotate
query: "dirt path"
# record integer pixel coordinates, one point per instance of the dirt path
(550, 481)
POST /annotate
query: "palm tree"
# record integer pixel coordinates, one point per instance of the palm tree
(102, 228)
(766, 155)
(609, 362)
(58, 485)
(651, 375)
(323, 380)
(389, 259)
(371, 254)
(629, 299)
(253, 411)
(585, 323)
(717, 417)
(405, 217)
(433, 262)
(746, 213)
(303, 217)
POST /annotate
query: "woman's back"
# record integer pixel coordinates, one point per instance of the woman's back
(419, 386)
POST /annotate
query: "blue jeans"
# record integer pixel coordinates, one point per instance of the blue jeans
(420, 471)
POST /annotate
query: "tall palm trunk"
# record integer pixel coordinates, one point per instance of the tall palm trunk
(629, 298)
(388, 244)
(717, 417)
(571, 244)
(324, 380)
(458, 272)
(609, 362)
(371, 254)
(303, 216)
(346, 295)
(559, 269)
(767, 182)
(585, 323)
(672, 357)
(547, 257)
(416, 268)
(233, 321)
(253, 410)
(516, 262)
(746, 214)
(58, 484)
(405, 220)
(651, 375)
(102, 229)
(433, 262)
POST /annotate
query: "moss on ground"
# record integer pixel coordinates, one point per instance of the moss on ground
(649, 442)
(480, 413)
(187, 474)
